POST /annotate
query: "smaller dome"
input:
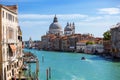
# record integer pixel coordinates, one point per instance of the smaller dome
(68, 27)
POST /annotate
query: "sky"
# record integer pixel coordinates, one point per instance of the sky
(90, 16)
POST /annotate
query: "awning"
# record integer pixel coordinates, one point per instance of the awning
(13, 47)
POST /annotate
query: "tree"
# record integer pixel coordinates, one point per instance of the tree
(107, 35)
(89, 42)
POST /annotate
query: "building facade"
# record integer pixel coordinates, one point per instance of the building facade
(95, 48)
(81, 45)
(57, 41)
(11, 43)
(115, 40)
(72, 42)
(64, 43)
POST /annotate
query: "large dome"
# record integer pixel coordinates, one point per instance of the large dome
(55, 24)
(55, 27)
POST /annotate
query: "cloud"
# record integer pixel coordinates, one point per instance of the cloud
(39, 19)
(40, 16)
(33, 23)
(109, 11)
(89, 19)
(34, 16)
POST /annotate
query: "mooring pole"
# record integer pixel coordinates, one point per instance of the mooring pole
(49, 72)
(42, 58)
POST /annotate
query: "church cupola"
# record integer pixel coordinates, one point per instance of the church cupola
(55, 19)
(55, 27)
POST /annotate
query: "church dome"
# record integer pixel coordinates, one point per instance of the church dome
(55, 24)
(68, 27)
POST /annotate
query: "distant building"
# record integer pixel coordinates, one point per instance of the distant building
(37, 45)
(72, 42)
(64, 43)
(57, 41)
(98, 40)
(47, 41)
(95, 48)
(56, 28)
(11, 43)
(115, 40)
(107, 46)
(30, 43)
(81, 45)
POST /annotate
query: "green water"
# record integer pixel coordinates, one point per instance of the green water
(69, 66)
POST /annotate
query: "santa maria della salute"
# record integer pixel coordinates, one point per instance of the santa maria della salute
(57, 39)
(56, 29)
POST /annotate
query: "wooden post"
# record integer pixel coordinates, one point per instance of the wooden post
(47, 74)
(37, 69)
(42, 58)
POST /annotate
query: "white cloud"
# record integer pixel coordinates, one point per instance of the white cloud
(109, 11)
(89, 19)
(40, 16)
(34, 16)
(33, 23)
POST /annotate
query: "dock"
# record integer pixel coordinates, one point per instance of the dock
(28, 59)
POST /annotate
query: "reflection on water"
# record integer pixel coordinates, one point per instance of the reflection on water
(69, 66)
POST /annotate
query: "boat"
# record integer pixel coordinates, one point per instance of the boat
(83, 58)
(32, 60)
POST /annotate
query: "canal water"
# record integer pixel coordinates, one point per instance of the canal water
(69, 66)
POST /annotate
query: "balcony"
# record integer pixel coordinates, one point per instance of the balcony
(12, 59)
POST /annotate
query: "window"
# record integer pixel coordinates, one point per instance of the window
(16, 20)
(13, 18)
(10, 17)
(10, 33)
(7, 67)
(17, 64)
(6, 15)
(19, 38)
(3, 14)
(9, 52)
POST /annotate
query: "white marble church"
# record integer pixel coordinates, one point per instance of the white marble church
(56, 28)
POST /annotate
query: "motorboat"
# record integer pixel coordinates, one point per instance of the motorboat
(83, 58)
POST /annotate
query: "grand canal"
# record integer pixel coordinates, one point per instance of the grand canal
(69, 66)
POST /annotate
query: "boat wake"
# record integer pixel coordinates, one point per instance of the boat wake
(88, 60)
(76, 78)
